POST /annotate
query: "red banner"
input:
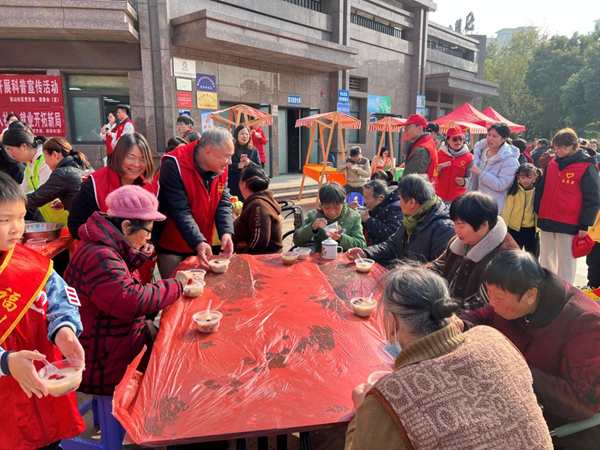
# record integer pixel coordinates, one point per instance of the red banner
(184, 100)
(44, 121)
(30, 90)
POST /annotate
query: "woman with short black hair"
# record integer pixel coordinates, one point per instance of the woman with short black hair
(258, 228)
(494, 165)
(480, 235)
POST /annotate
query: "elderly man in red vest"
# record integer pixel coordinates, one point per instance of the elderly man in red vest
(194, 196)
(421, 156)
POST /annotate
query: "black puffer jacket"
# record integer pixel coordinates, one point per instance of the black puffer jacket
(64, 183)
(429, 241)
(385, 219)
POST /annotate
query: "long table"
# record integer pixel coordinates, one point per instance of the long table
(56, 246)
(286, 357)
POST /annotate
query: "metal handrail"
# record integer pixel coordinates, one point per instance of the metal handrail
(438, 46)
(315, 5)
(374, 25)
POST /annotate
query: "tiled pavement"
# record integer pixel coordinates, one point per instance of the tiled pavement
(327, 439)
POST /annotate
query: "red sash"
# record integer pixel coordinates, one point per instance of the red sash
(20, 285)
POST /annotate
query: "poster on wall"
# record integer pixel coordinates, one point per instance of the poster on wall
(184, 100)
(184, 84)
(379, 104)
(206, 83)
(185, 68)
(44, 121)
(36, 99)
(207, 121)
(206, 100)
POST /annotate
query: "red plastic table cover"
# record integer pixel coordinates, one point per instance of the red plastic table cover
(285, 358)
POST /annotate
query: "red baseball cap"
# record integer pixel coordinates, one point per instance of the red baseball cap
(456, 131)
(416, 119)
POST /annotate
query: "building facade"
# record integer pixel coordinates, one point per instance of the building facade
(289, 56)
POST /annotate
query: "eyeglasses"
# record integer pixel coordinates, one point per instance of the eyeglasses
(457, 139)
(147, 231)
(132, 160)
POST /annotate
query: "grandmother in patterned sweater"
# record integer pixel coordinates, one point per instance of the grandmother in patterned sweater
(448, 390)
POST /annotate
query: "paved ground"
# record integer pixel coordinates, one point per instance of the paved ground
(329, 439)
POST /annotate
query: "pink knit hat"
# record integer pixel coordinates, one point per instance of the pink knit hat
(133, 202)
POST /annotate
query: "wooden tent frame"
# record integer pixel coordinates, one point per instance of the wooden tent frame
(337, 119)
(387, 125)
(242, 114)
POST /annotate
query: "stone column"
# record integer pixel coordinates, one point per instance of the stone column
(418, 37)
(151, 90)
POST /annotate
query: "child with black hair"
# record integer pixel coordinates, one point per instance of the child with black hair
(333, 210)
(38, 312)
(518, 211)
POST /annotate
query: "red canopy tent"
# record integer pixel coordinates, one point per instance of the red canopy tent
(466, 114)
(514, 128)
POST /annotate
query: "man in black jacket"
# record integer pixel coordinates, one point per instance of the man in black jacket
(382, 215)
(211, 156)
(425, 230)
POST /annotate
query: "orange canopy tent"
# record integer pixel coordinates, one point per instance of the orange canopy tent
(467, 114)
(242, 114)
(325, 121)
(514, 128)
(386, 125)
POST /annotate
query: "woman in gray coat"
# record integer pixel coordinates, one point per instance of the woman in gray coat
(494, 165)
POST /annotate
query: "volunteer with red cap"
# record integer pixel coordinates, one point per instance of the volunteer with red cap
(454, 160)
(421, 156)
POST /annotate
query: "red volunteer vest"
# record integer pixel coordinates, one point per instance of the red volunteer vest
(562, 200)
(202, 203)
(429, 144)
(106, 180)
(121, 127)
(446, 187)
(119, 132)
(30, 422)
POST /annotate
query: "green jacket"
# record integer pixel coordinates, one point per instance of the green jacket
(348, 220)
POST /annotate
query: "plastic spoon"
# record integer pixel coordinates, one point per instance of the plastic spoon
(49, 367)
(209, 305)
(370, 297)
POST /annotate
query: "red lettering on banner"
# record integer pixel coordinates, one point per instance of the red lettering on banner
(37, 99)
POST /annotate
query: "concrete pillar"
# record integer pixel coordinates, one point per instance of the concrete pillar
(418, 36)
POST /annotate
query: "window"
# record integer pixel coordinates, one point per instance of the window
(91, 98)
(427, 113)
(353, 135)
